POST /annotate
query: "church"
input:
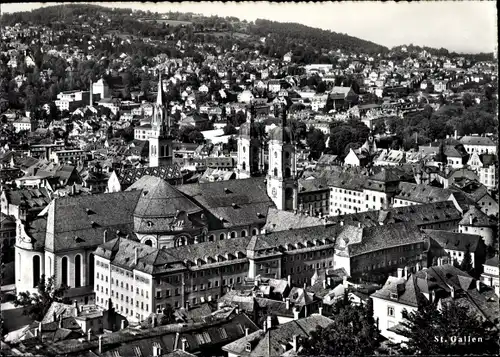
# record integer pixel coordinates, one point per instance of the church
(62, 239)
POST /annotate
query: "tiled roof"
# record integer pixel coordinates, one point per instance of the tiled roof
(385, 175)
(130, 342)
(149, 260)
(237, 202)
(270, 343)
(363, 240)
(130, 176)
(422, 193)
(454, 240)
(477, 141)
(159, 201)
(492, 262)
(476, 218)
(278, 220)
(80, 222)
(32, 197)
(418, 214)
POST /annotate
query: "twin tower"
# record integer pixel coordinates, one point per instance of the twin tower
(281, 177)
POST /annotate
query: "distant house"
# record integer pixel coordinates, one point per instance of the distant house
(490, 276)
(122, 179)
(479, 145)
(287, 57)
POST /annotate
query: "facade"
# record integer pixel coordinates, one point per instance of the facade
(377, 250)
(491, 272)
(24, 124)
(281, 176)
(68, 156)
(475, 221)
(250, 160)
(61, 240)
(438, 285)
(479, 145)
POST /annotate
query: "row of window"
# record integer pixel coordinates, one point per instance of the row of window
(318, 266)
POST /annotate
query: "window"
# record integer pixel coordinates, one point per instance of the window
(158, 294)
(390, 311)
(222, 333)
(222, 236)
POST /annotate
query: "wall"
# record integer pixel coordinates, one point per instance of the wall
(380, 312)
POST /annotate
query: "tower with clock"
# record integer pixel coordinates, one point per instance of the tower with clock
(282, 172)
(160, 141)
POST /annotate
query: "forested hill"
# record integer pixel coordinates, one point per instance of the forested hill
(297, 37)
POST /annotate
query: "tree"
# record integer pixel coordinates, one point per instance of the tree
(37, 304)
(167, 315)
(430, 331)
(229, 129)
(232, 145)
(466, 264)
(352, 333)
(316, 142)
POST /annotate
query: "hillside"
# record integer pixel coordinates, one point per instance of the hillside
(296, 38)
(308, 44)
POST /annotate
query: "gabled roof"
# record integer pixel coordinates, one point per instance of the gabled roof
(455, 241)
(270, 343)
(476, 218)
(477, 141)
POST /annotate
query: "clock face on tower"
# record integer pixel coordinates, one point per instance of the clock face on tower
(274, 192)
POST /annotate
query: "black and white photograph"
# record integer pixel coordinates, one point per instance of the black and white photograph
(249, 179)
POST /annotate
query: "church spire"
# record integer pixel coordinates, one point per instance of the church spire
(159, 97)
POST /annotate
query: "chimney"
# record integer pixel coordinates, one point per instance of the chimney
(36, 333)
(320, 310)
(75, 304)
(89, 334)
(287, 303)
(341, 222)
(433, 296)
(100, 344)
(470, 220)
(269, 321)
(264, 326)
(54, 316)
(60, 321)
(325, 285)
(452, 292)
(296, 313)
(40, 328)
(406, 272)
(136, 256)
(289, 280)
(105, 235)
(184, 344)
(73, 189)
(295, 341)
(237, 310)
(344, 281)
(153, 320)
(329, 281)
(478, 285)
(456, 134)
(305, 286)
(122, 324)
(400, 272)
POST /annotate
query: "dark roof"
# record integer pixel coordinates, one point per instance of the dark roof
(237, 202)
(158, 201)
(129, 342)
(454, 240)
(359, 240)
(477, 141)
(492, 261)
(80, 222)
(423, 214)
(32, 197)
(271, 343)
(278, 220)
(476, 218)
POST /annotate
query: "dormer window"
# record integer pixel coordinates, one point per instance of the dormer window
(394, 296)
(150, 224)
(248, 347)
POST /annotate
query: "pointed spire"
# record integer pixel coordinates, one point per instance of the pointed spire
(159, 97)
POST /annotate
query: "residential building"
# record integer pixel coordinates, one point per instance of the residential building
(439, 285)
(491, 273)
(456, 245)
(475, 221)
(281, 340)
(479, 145)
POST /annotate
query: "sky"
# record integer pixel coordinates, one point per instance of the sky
(460, 26)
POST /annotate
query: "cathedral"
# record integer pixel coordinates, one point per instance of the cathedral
(61, 241)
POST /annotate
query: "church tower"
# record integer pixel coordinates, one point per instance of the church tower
(160, 141)
(250, 149)
(282, 172)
